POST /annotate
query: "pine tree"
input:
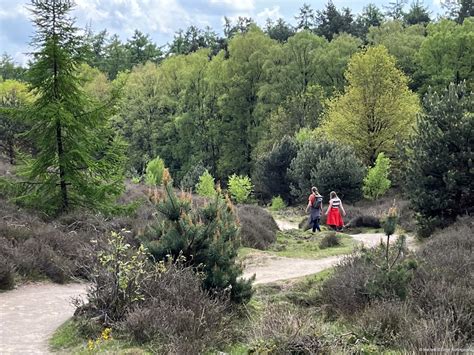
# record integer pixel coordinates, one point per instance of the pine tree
(205, 236)
(440, 173)
(78, 161)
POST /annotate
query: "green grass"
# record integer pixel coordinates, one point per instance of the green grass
(67, 339)
(299, 244)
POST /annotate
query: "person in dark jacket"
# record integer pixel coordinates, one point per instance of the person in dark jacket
(315, 206)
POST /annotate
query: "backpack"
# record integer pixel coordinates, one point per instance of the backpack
(317, 202)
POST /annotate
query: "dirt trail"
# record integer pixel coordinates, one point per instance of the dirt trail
(268, 268)
(30, 314)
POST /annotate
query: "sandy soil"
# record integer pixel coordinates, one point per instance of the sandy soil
(30, 314)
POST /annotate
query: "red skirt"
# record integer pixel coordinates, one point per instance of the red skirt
(334, 218)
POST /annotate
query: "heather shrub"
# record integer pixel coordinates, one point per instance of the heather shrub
(178, 313)
(258, 229)
(7, 274)
(284, 329)
(329, 240)
(365, 277)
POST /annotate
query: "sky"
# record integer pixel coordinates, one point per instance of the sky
(159, 18)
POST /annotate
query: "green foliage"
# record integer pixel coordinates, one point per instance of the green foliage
(439, 166)
(240, 188)
(206, 186)
(277, 204)
(376, 183)
(329, 167)
(339, 170)
(205, 236)
(14, 101)
(191, 178)
(154, 172)
(446, 54)
(376, 104)
(78, 160)
(271, 171)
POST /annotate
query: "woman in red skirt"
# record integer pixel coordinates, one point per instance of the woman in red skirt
(334, 219)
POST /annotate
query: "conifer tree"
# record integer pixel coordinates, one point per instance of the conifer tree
(78, 161)
(440, 173)
(206, 236)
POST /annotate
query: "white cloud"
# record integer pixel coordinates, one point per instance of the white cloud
(273, 14)
(238, 5)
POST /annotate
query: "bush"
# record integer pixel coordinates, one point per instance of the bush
(117, 279)
(283, 329)
(206, 185)
(178, 313)
(277, 204)
(192, 177)
(240, 188)
(376, 183)
(362, 278)
(329, 240)
(154, 172)
(439, 169)
(206, 236)
(271, 171)
(258, 229)
(307, 158)
(7, 274)
(340, 170)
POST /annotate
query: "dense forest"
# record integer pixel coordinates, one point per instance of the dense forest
(283, 105)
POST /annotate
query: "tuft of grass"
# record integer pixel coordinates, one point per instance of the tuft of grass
(67, 339)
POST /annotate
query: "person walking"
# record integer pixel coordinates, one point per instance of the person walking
(334, 219)
(315, 206)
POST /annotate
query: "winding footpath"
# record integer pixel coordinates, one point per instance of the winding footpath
(30, 314)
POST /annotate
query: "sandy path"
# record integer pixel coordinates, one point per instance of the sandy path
(268, 268)
(30, 314)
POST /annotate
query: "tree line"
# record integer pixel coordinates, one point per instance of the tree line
(334, 88)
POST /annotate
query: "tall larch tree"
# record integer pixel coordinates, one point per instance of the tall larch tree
(77, 160)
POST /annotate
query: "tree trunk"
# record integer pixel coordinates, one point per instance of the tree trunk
(62, 172)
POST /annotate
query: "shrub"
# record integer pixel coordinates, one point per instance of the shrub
(154, 172)
(362, 278)
(340, 170)
(385, 322)
(178, 313)
(240, 188)
(283, 329)
(206, 236)
(206, 185)
(329, 240)
(439, 169)
(368, 221)
(271, 171)
(277, 204)
(7, 274)
(376, 183)
(307, 158)
(258, 229)
(192, 177)
(116, 281)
